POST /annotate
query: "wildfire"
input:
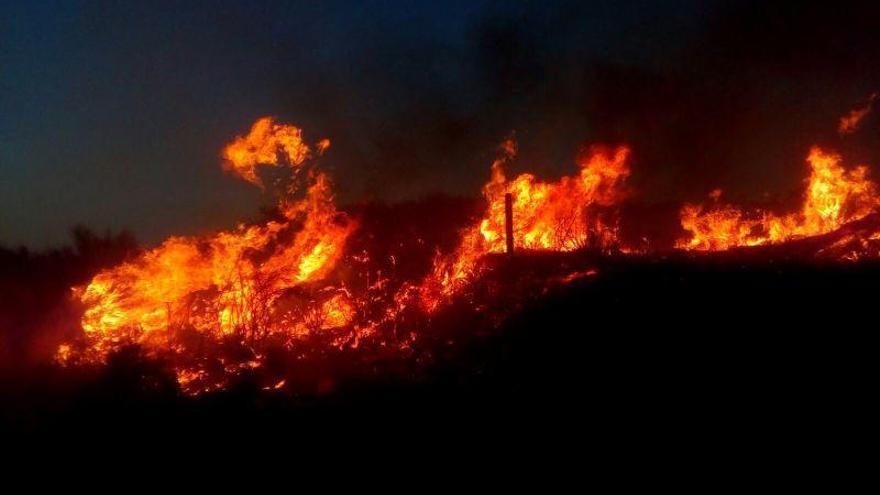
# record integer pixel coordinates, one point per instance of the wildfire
(834, 196)
(288, 280)
(241, 282)
(559, 216)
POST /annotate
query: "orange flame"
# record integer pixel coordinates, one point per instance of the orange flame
(834, 197)
(232, 282)
(267, 143)
(555, 216)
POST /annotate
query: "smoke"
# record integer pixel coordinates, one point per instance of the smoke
(416, 96)
(708, 95)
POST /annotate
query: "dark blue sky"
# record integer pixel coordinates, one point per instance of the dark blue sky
(112, 114)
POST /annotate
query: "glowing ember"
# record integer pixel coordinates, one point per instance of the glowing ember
(849, 123)
(834, 197)
(853, 246)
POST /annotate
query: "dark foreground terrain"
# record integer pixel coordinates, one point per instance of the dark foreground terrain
(772, 359)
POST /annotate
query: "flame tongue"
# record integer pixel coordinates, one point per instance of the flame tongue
(556, 216)
(278, 282)
(230, 282)
(274, 279)
(267, 143)
(835, 196)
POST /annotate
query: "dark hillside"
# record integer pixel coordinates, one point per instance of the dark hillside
(679, 349)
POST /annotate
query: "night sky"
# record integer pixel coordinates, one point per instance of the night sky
(113, 114)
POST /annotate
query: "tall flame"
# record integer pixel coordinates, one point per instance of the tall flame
(555, 216)
(279, 282)
(232, 282)
(834, 196)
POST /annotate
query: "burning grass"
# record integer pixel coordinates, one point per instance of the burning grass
(219, 306)
(834, 197)
(610, 340)
(262, 300)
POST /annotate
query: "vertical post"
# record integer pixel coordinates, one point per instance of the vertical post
(508, 222)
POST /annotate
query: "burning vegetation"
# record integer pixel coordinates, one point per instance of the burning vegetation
(254, 283)
(834, 196)
(315, 279)
(850, 122)
(576, 212)
(289, 281)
